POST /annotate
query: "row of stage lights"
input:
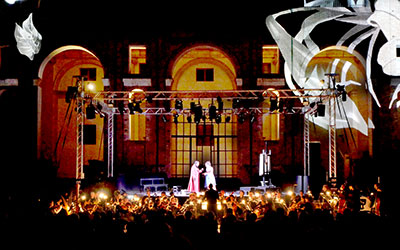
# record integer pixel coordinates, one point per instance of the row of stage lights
(214, 112)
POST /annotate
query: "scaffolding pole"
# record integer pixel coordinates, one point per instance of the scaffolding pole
(332, 139)
(110, 145)
(306, 141)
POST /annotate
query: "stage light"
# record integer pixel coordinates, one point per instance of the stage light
(178, 104)
(189, 119)
(149, 99)
(176, 118)
(164, 119)
(11, 2)
(167, 106)
(236, 103)
(71, 93)
(198, 113)
(91, 87)
(131, 108)
(90, 111)
(344, 96)
(274, 104)
(212, 112)
(241, 118)
(218, 119)
(320, 109)
(121, 108)
(137, 108)
(192, 107)
(227, 119)
(220, 104)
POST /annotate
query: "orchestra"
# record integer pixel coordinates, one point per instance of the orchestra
(336, 201)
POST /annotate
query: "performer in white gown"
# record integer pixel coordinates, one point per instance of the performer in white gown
(209, 174)
(194, 180)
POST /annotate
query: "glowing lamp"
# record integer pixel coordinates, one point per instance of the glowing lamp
(204, 205)
(219, 205)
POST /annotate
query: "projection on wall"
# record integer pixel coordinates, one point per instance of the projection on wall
(28, 38)
(300, 51)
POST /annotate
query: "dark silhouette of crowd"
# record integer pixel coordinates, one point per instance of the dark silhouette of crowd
(229, 229)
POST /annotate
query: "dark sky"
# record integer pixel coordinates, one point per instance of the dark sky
(61, 19)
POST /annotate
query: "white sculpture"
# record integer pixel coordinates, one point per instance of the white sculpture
(28, 38)
(299, 50)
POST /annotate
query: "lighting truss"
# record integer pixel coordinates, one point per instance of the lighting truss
(105, 98)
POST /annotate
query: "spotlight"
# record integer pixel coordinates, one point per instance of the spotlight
(236, 103)
(218, 119)
(192, 107)
(274, 104)
(220, 104)
(90, 111)
(131, 108)
(149, 99)
(198, 113)
(320, 109)
(178, 104)
(189, 119)
(344, 96)
(121, 108)
(227, 119)
(137, 108)
(71, 93)
(241, 118)
(281, 105)
(212, 112)
(167, 106)
(176, 118)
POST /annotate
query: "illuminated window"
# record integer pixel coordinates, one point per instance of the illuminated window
(207, 141)
(270, 59)
(137, 56)
(88, 73)
(204, 75)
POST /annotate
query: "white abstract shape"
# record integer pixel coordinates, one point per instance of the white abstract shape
(387, 18)
(352, 117)
(312, 21)
(388, 59)
(370, 124)
(359, 39)
(319, 3)
(356, 29)
(368, 69)
(294, 52)
(394, 97)
(28, 38)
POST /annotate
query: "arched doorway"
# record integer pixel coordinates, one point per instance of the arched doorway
(57, 124)
(204, 68)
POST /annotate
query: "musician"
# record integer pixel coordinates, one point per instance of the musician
(377, 206)
(173, 202)
(194, 180)
(163, 201)
(147, 201)
(241, 200)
